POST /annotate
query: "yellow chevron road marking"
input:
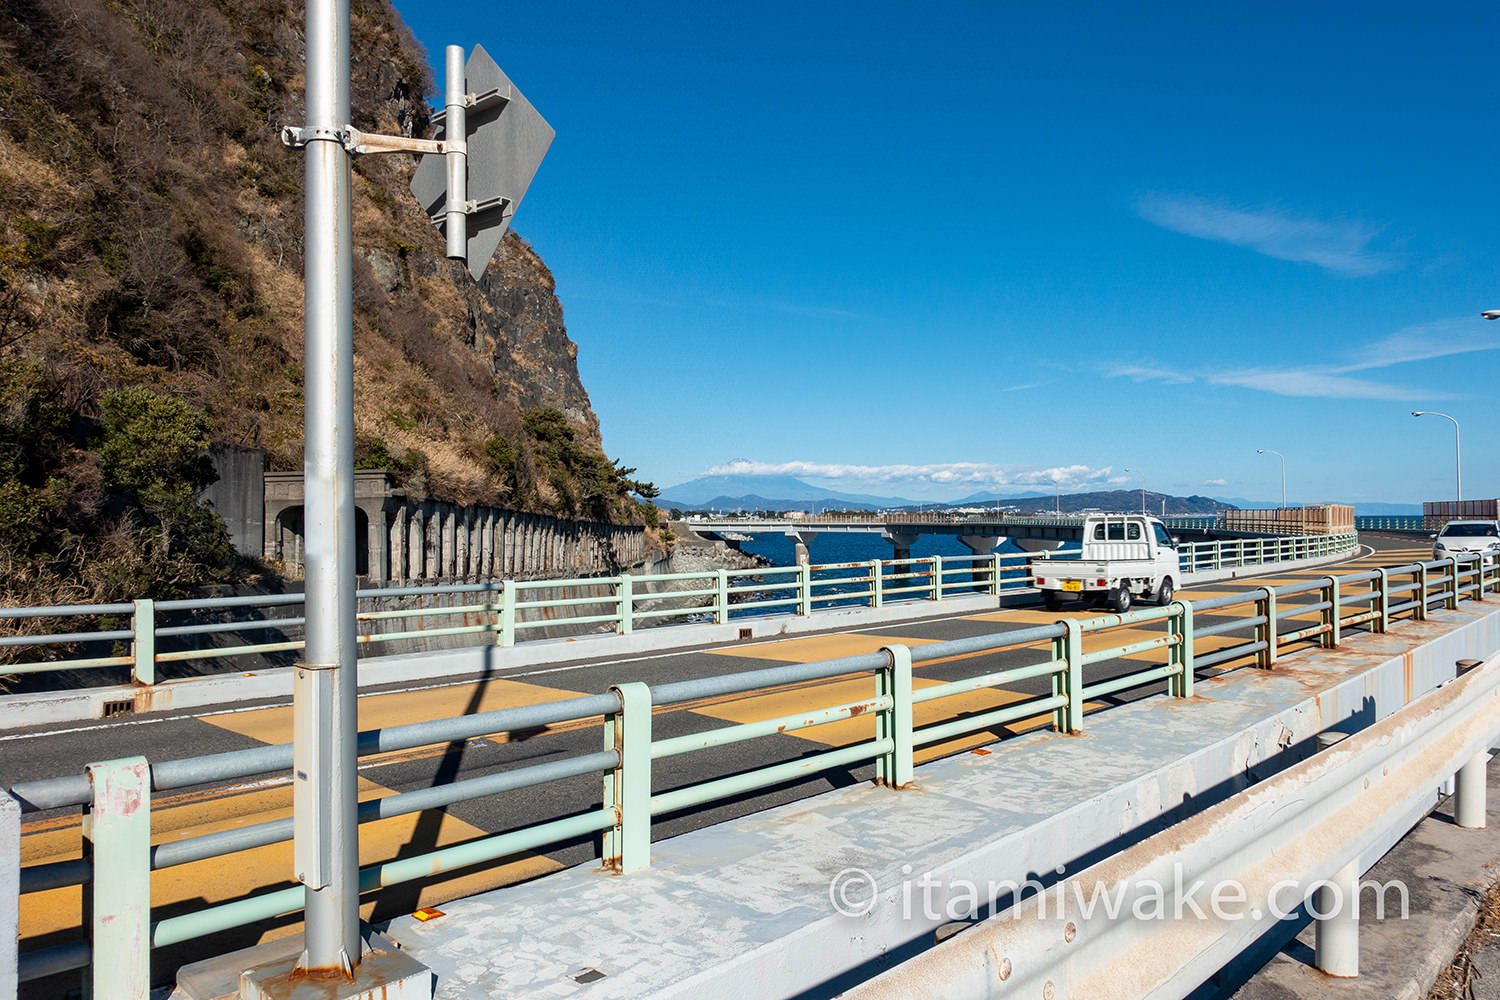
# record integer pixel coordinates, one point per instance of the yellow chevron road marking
(216, 880)
(862, 727)
(274, 725)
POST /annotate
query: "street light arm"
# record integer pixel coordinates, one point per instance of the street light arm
(1458, 459)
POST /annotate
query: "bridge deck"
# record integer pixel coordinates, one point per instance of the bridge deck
(746, 908)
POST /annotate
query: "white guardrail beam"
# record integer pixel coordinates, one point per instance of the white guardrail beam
(1158, 919)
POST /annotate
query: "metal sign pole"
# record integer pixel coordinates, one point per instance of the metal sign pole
(324, 767)
(455, 130)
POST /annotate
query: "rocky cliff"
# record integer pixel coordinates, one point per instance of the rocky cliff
(151, 241)
(150, 232)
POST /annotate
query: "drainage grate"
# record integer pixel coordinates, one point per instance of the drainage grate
(744, 633)
(114, 708)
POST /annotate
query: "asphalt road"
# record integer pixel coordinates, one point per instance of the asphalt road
(51, 917)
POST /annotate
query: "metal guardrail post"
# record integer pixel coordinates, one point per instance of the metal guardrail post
(721, 597)
(143, 642)
(627, 844)
(625, 593)
(1267, 631)
(937, 578)
(1068, 682)
(1331, 617)
(1180, 654)
(117, 904)
(895, 769)
(995, 573)
(507, 635)
(1382, 599)
(10, 894)
(1335, 911)
(1421, 596)
(877, 585)
(804, 589)
(1469, 792)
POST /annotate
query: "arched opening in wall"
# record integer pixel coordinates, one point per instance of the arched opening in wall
(362, 542)
(289, 540)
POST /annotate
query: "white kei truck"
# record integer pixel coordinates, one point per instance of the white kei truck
(1124, 556)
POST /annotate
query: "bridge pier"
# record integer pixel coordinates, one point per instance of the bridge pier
(981, 545)
(902, 541)
(1038, 544)
(802, 539)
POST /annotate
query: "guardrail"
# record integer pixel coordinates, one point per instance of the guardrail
(1202, 557)
(145, 635)
(1303, 836)
(117, 794)
(1399, 522)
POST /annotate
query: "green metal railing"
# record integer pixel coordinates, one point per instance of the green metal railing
(1203, 557)
(144, 635)
(116, 874)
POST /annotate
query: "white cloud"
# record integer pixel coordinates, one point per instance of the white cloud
(946, 474)
(1215, 482)
(1438, 339)
(1318, 384)
(1341, 247)
(1334, 380)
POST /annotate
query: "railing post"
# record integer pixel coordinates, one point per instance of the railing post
(1452, 602)
(1068, 682)
(117, 904)
(143, 642)
(1421, 582)
(937, 578)
(804, 589)
(10, 894)
(721, 597)
(507, 636)
(1180, 654)
(877, 585)
(1267, 631)
(894, 769)
(625, 593)
(1335, 909)
(1331, 617)
(995, 568)
(627, 789)
(1382, 599)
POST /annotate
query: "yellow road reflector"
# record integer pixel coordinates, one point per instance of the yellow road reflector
(427, 913)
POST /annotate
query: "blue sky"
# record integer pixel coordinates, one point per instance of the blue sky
(931, 249)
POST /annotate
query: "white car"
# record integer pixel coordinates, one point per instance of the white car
(1463, 537)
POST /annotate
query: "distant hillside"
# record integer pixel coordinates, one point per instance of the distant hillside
(1071, 503)
(771, 492)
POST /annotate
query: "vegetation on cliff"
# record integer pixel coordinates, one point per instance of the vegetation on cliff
(151, 284)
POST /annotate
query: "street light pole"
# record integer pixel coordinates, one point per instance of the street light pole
(1271, 451)
(1458, 459)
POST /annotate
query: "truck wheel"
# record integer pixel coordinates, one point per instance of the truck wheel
(1052, 599)
(1164, 593)
(1119, 600)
